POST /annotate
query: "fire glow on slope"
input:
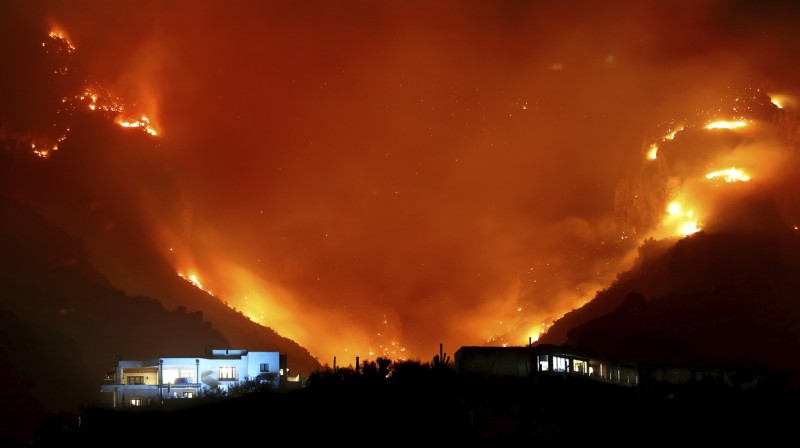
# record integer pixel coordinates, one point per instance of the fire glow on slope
(686, 211)
(781, 100)
(682, 217)
(192, 278)
(729, 175)
(93, 97)
(202, 72)
(272, 306)
(724, 124)
(652, 150)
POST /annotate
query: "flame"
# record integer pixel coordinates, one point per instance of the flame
(61, 38)
(671, 135)
(93, 97)
(262, 302)
(142, 122)
(193, 279)
(726, 124)
(681, 222)
(780, 101)
(537, 331)
(652, 153)
(730, 175)
(99, 99)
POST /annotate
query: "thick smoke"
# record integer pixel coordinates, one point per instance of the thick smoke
(375, 178)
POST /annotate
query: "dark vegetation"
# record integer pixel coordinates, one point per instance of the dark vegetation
(409, 403)
(722, 297)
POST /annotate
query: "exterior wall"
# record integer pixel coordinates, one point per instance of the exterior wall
(234, 370)
(271, 361)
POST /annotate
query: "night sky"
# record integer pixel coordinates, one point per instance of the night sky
(373, 178)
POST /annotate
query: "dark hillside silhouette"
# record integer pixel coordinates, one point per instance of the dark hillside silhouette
(725, 296)
(423, 404)
(64, 325)
(97, 212)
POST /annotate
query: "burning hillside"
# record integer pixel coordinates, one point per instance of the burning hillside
(376, 179)
(714, 280)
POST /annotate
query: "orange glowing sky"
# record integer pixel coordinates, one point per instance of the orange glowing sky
(375, 178)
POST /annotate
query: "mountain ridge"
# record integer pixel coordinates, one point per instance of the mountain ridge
(721, 297)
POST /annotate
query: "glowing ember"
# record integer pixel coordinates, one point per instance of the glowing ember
(730, 175)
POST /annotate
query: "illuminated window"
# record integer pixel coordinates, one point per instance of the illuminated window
(179, 376)
(136, 401)
(560, 364)
(544, 364)
(168, 376)
(135, 380)
(264, 367)
(227, 373)
(579, 366)
(188, 395)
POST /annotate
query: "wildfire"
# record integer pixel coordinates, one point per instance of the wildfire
(680, 221)
(730, 175)
(671, 135)
(93, 97)
(652, 152)
(683, 222)
(143, 122)
(63, 43)
(779, 101)
(99, 100)
(195, 281)
(726, 124)
(537, 331)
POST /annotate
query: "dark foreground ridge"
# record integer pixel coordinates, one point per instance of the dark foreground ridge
(423, 404)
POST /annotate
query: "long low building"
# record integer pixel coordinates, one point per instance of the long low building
(540, 361)
(543, 360)
(145, 382)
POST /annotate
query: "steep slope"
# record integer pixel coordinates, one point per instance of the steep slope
(726, 296)
(63, 325)
(102, 211)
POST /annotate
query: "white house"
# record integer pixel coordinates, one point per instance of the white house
(138, 383)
